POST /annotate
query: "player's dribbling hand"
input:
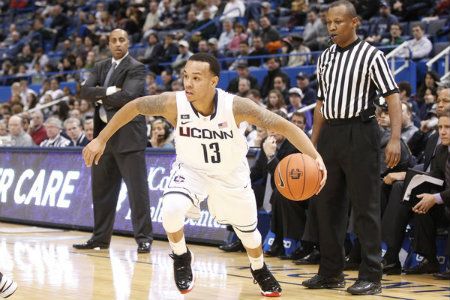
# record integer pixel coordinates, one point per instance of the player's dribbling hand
(323, 169)
(93, 151)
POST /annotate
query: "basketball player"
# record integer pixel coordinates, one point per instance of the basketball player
(211, 161)
(7, 286)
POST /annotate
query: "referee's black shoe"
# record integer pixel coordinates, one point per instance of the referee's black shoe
(363, 287)
(182, 271)
(91, 244)
(324, 282)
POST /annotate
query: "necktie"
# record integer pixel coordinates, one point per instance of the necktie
(447, 171)
(101, 110)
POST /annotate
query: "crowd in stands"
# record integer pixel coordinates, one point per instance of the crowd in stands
(60, 41)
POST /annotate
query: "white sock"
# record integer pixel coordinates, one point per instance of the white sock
(178, 248)
(256, 263)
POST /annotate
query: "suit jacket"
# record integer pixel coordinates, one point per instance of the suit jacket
(437, 169)
(129, 76)
(430, 148)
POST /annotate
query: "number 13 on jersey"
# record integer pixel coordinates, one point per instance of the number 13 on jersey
(211, 153)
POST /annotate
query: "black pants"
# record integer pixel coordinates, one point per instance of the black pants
(106, 181)
(351, 154)
(425, 226)
(395, 219)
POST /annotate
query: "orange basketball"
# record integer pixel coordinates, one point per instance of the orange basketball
(297, 177)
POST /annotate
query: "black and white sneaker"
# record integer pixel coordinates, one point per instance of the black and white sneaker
(268, 284)
(182, 271)
(7, 286)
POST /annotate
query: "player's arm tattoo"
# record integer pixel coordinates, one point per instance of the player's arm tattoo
(155, 105)
(247, 110)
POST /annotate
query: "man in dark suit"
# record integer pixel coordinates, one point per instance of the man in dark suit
(112, 84)
(430, 212)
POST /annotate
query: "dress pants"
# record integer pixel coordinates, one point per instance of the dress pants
(106, 181)
(351, 152)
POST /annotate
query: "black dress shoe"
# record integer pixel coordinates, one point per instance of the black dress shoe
(442, 276)
(351, 264)
(322, 282)
(391, 268)
(233, 247)
(363, 287)
(144, 247)
(90, 244)
(275, 250)
(311, 259)
(425, 267)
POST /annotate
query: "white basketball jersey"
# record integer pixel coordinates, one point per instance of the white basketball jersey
(211, 144)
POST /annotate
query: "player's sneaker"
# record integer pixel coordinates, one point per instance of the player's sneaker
(268, 284)
(7, 286)
(182, 271)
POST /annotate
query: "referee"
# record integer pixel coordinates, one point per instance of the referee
(350, 74)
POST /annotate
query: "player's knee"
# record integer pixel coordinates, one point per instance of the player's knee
(173, 213)
(250, 240)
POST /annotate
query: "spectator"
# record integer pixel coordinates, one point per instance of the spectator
(243, 52)
(298, 14)
(255, 96)
(88, 127)
(258, 50)
(275, 101)
(313, 28)
(266, 11)
(53, 127)
(210, 30)
(411, 10)
(19, 138)
(308, 92)
(167, 78)
(420, 46)
(405, 97)
(280, 84)
(243, 88)
(273, 65)
(160, 136)
(253, 30)
(242, 72)
(394, 37)
(269, 35)
(170, 48)
(152, 18)
(298, 47)
(226, 36)
(379, 25)
(239, 36)
(60, 23)
(75, 132)
(181, 59)
(36, 130)
(299, 120)
(153, 53)
(408, 128)
(213, 49)
(295, 103)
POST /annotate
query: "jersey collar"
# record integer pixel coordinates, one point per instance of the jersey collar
(216, 97)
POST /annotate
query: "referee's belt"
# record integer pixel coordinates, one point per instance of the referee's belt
(365, 116)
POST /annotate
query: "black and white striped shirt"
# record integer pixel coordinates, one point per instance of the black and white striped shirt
(349, 78)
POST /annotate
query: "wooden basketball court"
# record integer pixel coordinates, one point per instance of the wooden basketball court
(45, 266)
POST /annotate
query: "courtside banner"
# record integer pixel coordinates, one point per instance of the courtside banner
(52, 187)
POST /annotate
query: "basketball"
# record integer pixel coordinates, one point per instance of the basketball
(297, 177)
